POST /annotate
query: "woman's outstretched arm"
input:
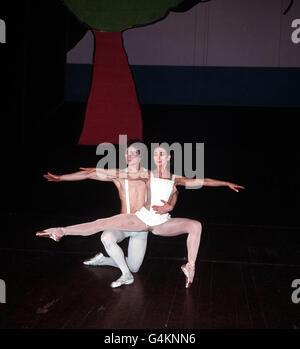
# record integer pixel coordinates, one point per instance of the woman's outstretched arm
(200, 182)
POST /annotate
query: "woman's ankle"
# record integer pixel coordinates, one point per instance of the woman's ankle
(191, 265)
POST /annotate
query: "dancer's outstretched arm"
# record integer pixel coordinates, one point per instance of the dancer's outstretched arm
(116, 174)
(200, 182)
(78, 176)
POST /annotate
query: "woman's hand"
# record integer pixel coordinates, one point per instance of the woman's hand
(235, 187)
(52, 177)
(165, 208)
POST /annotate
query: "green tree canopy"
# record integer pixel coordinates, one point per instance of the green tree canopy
(117, 15)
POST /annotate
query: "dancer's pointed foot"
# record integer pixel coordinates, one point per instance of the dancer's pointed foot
(189, 272)
(50, 233)
(96, 260)
(126, 279)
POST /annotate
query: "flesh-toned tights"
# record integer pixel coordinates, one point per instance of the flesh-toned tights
(130, 222)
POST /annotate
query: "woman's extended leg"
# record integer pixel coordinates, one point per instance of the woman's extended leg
(178, 226)
(127, 222)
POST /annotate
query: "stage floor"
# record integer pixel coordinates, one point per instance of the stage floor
(243, 280)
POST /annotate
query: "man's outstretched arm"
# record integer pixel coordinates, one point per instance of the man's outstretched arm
(117, 174)
(76, 176)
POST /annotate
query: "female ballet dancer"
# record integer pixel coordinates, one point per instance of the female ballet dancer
(160, 185)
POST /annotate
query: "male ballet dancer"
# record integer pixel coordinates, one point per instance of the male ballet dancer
(132, 195)
(160, 185)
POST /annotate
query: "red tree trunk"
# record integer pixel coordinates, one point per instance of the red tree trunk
(112, 107)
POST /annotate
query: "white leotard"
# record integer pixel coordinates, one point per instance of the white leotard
(161, 189)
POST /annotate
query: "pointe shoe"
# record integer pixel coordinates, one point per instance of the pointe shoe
(54, 236)
(189, 272)
(123, 280)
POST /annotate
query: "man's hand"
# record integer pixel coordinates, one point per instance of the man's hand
(165, 208)
(52, 178)
(235, 187)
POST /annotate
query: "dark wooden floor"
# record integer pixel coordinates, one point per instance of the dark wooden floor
(243, 280)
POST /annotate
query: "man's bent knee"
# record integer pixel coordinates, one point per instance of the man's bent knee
(107, 239)
(134, 269)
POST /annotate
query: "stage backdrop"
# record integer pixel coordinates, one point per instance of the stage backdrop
(222, 52)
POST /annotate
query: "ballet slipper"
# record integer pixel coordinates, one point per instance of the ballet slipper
(52, 235)
(96, 260)
(123, 280)
(189, 272)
